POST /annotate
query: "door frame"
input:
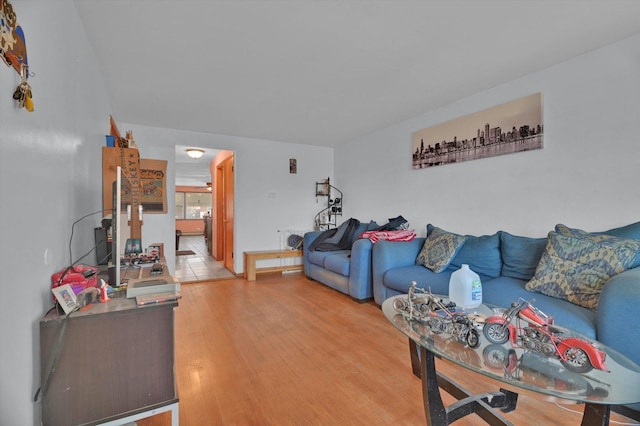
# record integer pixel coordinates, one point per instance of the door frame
(224, 207)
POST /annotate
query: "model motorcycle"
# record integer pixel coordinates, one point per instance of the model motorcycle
(419, 304)
(457, 324)
(539, 335)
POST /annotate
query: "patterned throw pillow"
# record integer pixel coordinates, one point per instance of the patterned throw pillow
(575, 267)
(606, 237)
(439, 249)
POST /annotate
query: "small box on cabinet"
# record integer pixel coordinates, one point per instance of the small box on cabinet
(157, 246)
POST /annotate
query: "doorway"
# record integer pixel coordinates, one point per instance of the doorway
(199, 266)
(202, 263)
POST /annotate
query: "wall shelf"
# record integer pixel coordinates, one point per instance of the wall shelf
(327, 218)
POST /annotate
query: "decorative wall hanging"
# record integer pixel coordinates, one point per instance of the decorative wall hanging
(327, 218)
(512, 127)
(153, 179)
(13, 50)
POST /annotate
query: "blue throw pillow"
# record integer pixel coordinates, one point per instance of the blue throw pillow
(520, 255)
(482, 254)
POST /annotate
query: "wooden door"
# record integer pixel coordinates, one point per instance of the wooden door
(224, 212)
(219, 228)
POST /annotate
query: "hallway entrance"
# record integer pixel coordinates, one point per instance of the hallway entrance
(199, 266)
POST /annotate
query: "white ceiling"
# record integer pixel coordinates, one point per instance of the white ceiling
(193, 172)
(326, 72)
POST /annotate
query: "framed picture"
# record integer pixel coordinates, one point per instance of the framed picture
(153, 183)
(155, 250)
(512, 127)
(66, 298)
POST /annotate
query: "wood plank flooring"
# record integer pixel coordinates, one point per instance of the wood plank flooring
(284, 350)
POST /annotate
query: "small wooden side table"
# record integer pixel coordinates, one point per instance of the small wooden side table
(250, 258)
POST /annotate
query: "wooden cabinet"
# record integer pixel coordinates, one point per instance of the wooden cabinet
(115, 360)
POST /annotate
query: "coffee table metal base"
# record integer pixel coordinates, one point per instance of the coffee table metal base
(483, 405)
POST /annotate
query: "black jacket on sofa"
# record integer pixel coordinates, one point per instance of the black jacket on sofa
(340, 238)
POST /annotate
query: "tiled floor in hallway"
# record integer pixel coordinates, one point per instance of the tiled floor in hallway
(199, 266)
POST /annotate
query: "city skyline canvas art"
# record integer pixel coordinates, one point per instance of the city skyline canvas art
(515, 126)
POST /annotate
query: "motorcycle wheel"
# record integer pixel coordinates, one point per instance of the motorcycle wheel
(437, 325)
(473, 338)
(496, 333)
(400, 305)
(576, 360)
(495, 356)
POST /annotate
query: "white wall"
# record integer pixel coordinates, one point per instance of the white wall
(586, 176)
(268, 199)
(50, 175)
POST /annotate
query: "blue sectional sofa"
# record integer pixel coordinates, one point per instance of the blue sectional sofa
(348, 271)
(506, 263)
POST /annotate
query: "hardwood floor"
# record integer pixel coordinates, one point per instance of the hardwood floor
(284, 350)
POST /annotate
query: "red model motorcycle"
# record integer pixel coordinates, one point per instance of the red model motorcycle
(539, 335)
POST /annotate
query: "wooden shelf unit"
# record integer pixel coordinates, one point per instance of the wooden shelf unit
(251, 257)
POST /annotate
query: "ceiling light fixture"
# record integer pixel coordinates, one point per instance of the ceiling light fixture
(195, 153)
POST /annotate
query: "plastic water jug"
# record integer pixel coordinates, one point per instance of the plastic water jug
(465, 288)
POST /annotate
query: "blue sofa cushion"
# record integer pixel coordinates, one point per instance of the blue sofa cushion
(575, 268)
(439, 248)
(629, 231)
(400, 278)
(338, 263)
(482, 254)
(520, 255)
(319, 257)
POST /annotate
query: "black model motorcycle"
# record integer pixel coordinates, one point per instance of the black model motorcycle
(457, 324)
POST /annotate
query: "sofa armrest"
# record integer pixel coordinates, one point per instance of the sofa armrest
(360, 269)
(308, 238)
(388, 255)
(618, 314)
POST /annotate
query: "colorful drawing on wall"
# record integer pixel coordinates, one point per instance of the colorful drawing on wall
(12, 41)
(13, 50)
(153, 184)
(512, 127)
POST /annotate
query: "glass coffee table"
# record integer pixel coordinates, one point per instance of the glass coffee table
(500, 344)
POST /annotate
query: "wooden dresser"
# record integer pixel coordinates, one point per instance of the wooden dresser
(115, 364)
